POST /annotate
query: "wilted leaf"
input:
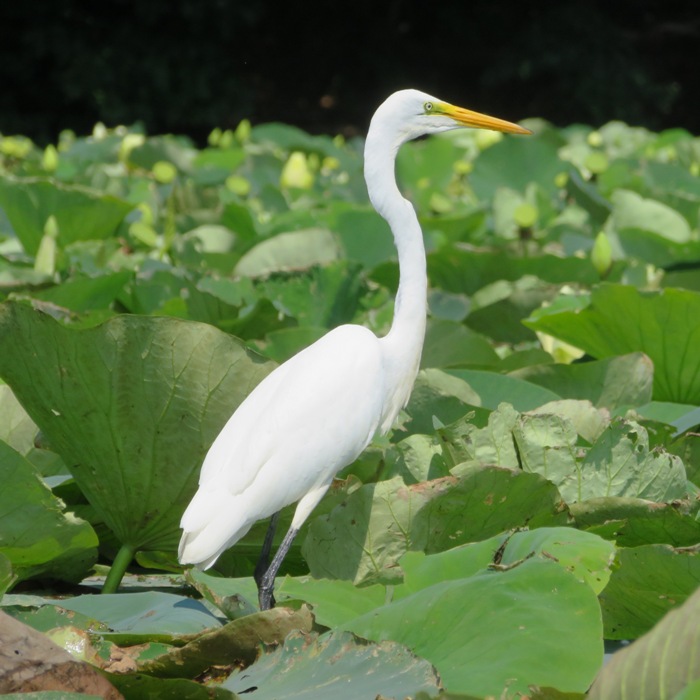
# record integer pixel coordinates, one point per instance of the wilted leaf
(332, 602)
(463, 441)
(237, 642)
(547, 446)
(235, 597)
(362, 539)
(418, 458)
(36, 663)
(588, 421)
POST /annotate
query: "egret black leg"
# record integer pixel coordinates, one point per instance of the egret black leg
(264, 561)
(267, 583)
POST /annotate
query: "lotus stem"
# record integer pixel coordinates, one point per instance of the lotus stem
(119, 566)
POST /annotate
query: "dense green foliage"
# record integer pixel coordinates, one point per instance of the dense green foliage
(538, 495)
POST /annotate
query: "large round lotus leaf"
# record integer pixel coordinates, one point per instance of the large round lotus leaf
(621, 319)
(499, 631)
(131, 406)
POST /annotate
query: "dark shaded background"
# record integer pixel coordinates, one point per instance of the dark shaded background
(186, 66)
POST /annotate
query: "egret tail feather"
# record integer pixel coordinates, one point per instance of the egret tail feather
(205, 538)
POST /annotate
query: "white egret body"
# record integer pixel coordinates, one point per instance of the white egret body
(317, 412)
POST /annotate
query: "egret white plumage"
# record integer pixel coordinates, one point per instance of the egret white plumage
(316, 413)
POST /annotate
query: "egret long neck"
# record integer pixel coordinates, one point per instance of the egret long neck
(404, 342)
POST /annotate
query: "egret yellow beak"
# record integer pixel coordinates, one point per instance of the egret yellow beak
(480, 121)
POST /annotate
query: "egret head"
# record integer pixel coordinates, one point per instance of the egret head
(411, 113)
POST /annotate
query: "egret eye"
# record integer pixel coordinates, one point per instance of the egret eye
(428, 106)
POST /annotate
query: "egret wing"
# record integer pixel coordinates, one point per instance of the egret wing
(305, 421)
(321, 407)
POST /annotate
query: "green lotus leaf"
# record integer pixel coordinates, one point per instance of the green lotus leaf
(494, 389)
(662, 663)
(293, 250)
(461, 627)
(634, 521)
(336, 664)
(379, 523)
(37, 537)
(131, 406)
(646, 583)
(616, 381)
(621, 319)
(81, 214)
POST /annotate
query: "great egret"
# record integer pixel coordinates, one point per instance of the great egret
(317, 412)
